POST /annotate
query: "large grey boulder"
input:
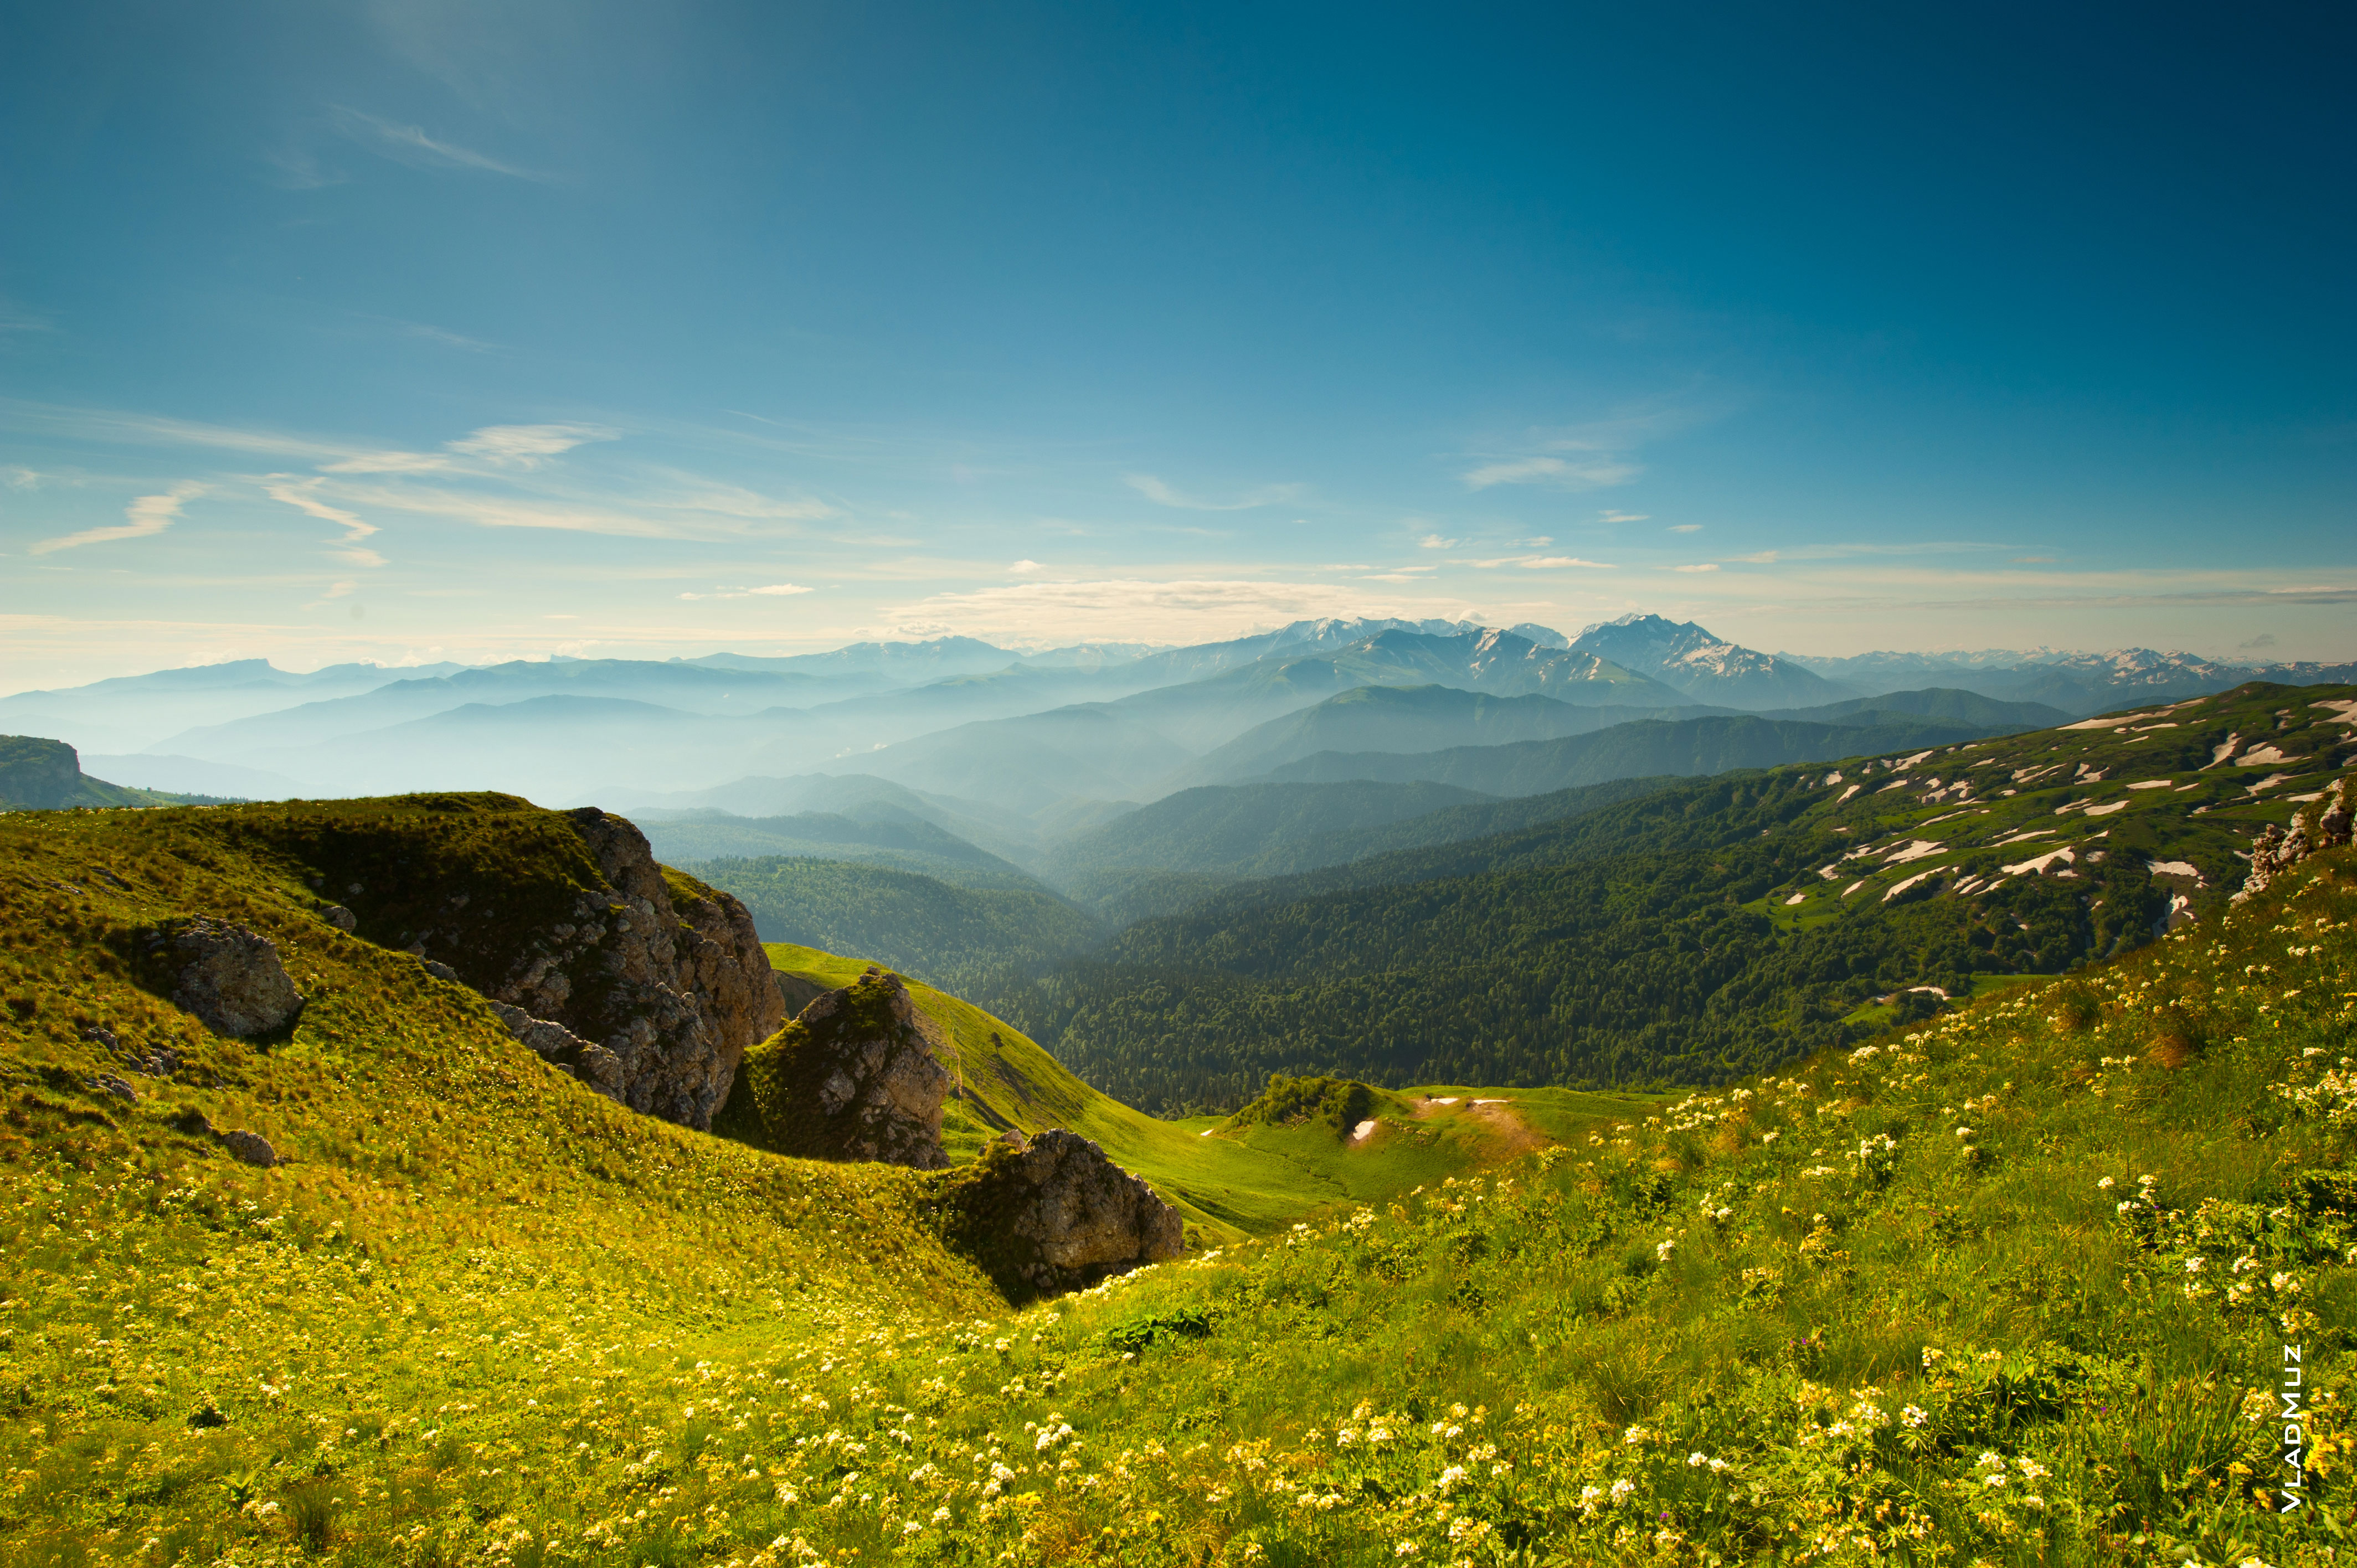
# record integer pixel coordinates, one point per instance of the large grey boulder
(1052, 1213)
(858, 1077)
(230, 978)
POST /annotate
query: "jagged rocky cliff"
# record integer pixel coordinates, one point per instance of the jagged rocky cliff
(645, 984)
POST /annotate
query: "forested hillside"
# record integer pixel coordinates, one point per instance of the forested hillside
(1691, 747)
(1708, 929)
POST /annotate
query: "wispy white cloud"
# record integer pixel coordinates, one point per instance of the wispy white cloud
(410, 145)
(446, 337)
(504, 447)
(1608, 515)
(529, 445)
(14, 317)
(1024, 567)
(767, 591)
(297, 493)
(1434, 542)
(1686, 528)
(1542, 562)
(1698, 566)
(1154, 490)
(1567, 473)
(299, 168)
(147, 516)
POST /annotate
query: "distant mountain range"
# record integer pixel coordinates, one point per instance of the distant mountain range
(1708, 668)
(1013, 752)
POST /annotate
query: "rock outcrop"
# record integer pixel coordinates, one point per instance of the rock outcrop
(2274, 850)
(1052, 1213)
(559, 1046)
(856, 1077)
(229, 977)
(647, 986)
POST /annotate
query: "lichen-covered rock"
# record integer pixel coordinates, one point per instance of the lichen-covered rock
(1051, 1213)
(230, 977)
(856, 1077)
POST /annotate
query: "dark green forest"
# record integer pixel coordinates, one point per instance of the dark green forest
(1623, 948)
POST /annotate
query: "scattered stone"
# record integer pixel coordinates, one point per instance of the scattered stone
(336, 915)
(103, 1035)
(252, 1147)
(231, 979)
(107, 1083)
(858, 1077)
(1052, 1213)
(440, 971)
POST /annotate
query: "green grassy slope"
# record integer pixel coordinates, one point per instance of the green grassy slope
(918, 925)
(2013, 1288)
(1704, 930)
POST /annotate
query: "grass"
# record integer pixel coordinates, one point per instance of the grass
(2008, 1287)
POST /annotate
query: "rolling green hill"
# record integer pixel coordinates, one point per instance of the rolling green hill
(1641, 748)
(1705, 929)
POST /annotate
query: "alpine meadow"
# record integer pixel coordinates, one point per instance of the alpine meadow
(899, 785)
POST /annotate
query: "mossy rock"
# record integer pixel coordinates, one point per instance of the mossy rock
(856, 1077)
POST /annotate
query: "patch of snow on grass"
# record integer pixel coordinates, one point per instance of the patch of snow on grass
(1911, 882)
(2220, 752)
(1796, 899)
(2152, 784)
(1848, 792)
(1853, 887)
(2029, 833)
(2107, 811)
(2260, 755)
(1916, 850)
(2037, 865)
(2174, 868)
(2270, 782)
(1364, 1131)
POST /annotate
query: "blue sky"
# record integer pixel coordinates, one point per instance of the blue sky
(466, 330)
